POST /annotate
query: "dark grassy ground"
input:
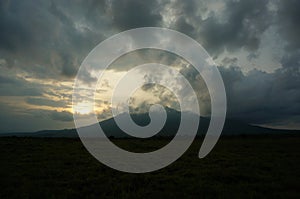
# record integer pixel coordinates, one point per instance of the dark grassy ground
(238, 167)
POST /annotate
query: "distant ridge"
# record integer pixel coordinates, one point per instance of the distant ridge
(231, 127)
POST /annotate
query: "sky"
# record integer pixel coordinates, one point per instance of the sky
(255, 44)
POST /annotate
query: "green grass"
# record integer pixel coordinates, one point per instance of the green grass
(238, 167)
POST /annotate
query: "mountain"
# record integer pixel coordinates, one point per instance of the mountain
(111, 129)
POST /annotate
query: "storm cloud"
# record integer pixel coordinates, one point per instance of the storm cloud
(42, 44)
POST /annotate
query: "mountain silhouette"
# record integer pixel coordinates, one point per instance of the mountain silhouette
(111, 129)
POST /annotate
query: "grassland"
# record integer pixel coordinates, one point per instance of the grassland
(238, 167)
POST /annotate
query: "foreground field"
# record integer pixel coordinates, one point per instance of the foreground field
(238, 167)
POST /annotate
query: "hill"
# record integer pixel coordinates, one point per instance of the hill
(111, 129)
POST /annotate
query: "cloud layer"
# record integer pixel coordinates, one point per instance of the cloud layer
(42, 45)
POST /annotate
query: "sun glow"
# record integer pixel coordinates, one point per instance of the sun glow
(84, 108)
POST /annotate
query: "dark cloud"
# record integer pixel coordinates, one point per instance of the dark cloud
(241, 26)
(143, 56)
(63, 116)
(13, 29)
(289, 22)
(46, 102)
(43, 33)
(49, 39)
(188, 15)
(17, 119)
(128, 14)
(182, 25)
(235, 25)
(255, 97)
(260, 97)
(86, 77)
(7, 80)
(13, 91)
(229, 61)
(14, 86)
(53, 116)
